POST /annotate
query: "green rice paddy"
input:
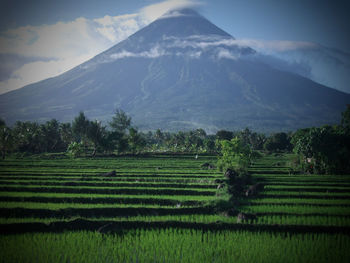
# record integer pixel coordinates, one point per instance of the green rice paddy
(156, 210)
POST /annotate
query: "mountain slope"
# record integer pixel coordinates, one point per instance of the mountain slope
(180, 72)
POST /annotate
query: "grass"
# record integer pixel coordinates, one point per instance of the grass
(172, 245)
(153, 183)
(292, 209)
(55, 206)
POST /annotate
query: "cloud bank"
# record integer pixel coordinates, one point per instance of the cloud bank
(46, 51)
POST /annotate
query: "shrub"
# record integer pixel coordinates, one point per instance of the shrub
(75, 149)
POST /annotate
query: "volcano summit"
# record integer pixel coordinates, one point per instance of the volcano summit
(180, 72)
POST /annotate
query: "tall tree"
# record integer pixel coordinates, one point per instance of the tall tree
(51, 138)
(345, 120)
(119, 125)
(66, 133)
(6, 139)
(136, 141)
(97, 134)
(27, 137)
(80, 126)
(224, 135)
(120, 121)
(278, 142)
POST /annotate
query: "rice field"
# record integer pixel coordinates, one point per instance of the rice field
(156, 209)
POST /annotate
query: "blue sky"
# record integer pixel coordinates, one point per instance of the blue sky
(43, 38)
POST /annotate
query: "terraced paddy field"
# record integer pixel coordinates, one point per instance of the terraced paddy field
(157, 209)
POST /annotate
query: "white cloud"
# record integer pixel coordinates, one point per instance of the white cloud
(64, 45)
(61, 46)
(224, 53)
(153, 53)
(118, 27)
(274, 45)
(152, 12)
(200, 41)
(196, 54)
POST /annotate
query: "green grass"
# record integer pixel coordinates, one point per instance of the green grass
(55, 206)
(162, 181)
(345, 202)
(291, 209)
(173, 245)
(296, 192)
(324, 220)
(106, 184)
(77, 195)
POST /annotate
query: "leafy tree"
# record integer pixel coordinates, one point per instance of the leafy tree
(200, 133)
(27, 137)
(119, 125)
(120, 121)
(97, 135)
(209, 144)
(234, 154)
(177, 140)
(159, 136)
(278, 142)
(224, 135)
(51, 137)
(75, 149)
(194, 140)
(80, 128)
(246, 135)
(136, 141)
(323, 150)
(117, 141)
(66, 133)
(6, 139)
(345, 120)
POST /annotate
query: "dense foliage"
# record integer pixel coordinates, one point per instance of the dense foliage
(174, 245)
(234, 154)
(320, 149)
(85, 137)
(326, 149)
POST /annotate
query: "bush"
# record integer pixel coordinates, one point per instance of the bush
(234, 154)
(75, 149)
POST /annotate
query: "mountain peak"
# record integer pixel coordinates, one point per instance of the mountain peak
(180, 72)
(180, 12)
(181, 22)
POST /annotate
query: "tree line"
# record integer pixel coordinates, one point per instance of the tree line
(323, 149)
(90, 137)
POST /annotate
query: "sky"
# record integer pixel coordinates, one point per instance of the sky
(44, 38)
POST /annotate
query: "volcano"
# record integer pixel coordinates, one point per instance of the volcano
(180, 72)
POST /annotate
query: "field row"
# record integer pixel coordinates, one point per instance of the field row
(277, 220)
(108, 184)
(268, 188)
(108, 190)
(173, 245)
(122, 226)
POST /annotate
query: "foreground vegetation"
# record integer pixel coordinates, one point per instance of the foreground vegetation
(67, 210)
(118, 195)
(173, 245)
